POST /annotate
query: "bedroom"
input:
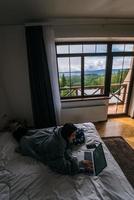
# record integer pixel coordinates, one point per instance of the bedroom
(103, 20)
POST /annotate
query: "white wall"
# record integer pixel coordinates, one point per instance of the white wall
(94, 30)
(14, 73)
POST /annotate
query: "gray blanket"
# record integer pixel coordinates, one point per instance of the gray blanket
(51, 149)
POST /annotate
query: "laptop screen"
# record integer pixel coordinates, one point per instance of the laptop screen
(99, 159)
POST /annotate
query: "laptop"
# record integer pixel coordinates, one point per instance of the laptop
(96, 155)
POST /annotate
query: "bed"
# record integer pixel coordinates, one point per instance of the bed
(23, 178)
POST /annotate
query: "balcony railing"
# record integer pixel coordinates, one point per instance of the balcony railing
(118, 92)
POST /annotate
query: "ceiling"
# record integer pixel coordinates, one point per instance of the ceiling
(23, 11)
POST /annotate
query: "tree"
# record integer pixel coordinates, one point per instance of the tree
(118, 76)
(63, 81)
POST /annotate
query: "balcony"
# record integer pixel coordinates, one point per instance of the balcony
(117, 95)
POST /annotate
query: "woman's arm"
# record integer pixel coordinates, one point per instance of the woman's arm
(63, 166)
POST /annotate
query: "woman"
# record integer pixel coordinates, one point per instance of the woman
(51, 148)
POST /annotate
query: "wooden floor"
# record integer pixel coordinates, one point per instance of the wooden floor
(123, 126)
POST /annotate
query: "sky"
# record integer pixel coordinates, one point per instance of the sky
(92, 63)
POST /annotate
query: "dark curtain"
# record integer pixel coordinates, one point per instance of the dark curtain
(41, 93)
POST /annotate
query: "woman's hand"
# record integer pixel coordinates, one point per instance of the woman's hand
(88, 164)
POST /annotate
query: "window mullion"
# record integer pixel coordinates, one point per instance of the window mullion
(82, 76)
(70, 75)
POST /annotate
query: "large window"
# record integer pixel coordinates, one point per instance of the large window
(90, 69)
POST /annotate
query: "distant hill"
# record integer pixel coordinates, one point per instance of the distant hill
(93, 72)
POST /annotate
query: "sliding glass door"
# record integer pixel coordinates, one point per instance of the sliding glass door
(120, 79)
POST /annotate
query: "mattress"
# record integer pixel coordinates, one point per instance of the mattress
(23, 178)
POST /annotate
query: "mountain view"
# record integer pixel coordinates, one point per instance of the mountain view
(94, 70)
(90, 79)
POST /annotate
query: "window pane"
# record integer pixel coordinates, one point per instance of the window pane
(117, 63)
(75, 66)
(101, 48)
(121, 69)
(117, 47)
(61, 49)
(121, 73)
(128, 62)
(129, 47)
(127, 69)
(64, 75)
(116, 70)
(76, 48)
(89, 48)
(94, 75)
(63, 64)
(70, 76)
(64, 79)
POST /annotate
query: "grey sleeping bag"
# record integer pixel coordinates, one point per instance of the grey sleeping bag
(51, 149)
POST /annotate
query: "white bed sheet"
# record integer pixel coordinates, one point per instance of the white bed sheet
(23, 178)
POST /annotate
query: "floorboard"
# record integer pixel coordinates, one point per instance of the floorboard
(123, 126)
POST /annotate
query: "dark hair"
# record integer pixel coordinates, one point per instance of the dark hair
(67, 130)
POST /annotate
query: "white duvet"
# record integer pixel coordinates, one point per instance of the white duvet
(23, 178)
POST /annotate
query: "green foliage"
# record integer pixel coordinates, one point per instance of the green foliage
(118, 78)
(63, 81)
(68, 92)
(93, 80)
(89, 80)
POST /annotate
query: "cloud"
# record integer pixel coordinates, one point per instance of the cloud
(92, 63)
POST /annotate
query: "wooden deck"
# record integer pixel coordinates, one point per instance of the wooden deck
(116, 109)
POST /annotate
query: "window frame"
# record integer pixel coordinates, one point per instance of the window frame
(108, 70)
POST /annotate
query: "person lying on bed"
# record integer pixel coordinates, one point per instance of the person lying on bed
(51, 148)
